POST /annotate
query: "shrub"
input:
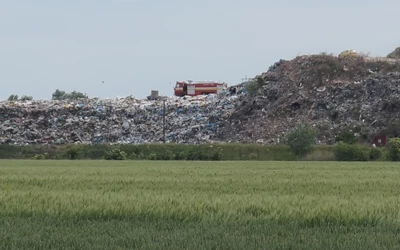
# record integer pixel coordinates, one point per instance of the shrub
(73, 153)
(43, 156)
(394, 149)
(58, 95)
(217, 156)
(115, 154)
(376, 154)
(12, 98)
(58, 157)
(62, 95)
(141, 155)
(320, 155)
(133, 156)
(196, 154)
(182, 155)
(152, 156)
(253, 87)
(301, 139)
(26, 98)
(346, 137)
(166, 155)
(74, 95)
(253, 156)
(351, 152)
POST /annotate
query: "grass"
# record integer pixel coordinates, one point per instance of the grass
(198, 205)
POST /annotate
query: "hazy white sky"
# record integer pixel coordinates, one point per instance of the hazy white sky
(135, 46)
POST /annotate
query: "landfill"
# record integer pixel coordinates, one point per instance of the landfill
(191, 120)
(395, 54)
(334, 95)
(359, 94)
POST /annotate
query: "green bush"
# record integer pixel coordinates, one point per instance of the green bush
(171, 151)
(182, 155)
(43, 156)
(62, 95)
(346, 137)
(115, 154)
(166, 155)
(73, 152)
(133, 156)
(141, 156)
(13, 98)
(197, 154)
(320, 155)
(252, 156)
(394, 149)
(376, 154)
(217, 156)
(152, 156)
(58, 157)
(26, 98)
(253, 87)
(301, 139)
(351, 152)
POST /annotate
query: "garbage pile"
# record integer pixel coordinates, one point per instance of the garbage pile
(332, 94)
(395, 54)
(357, 94)
(120, 121)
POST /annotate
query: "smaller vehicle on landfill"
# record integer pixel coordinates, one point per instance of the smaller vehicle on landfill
(194, 88)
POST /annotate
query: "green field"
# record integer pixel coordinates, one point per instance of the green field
(199, 205)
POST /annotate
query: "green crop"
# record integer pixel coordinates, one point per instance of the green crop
(198, 205)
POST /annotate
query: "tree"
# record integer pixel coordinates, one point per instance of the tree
(59, 95)
(76, 95)
(253, 86)
(26, 98)
(13, 98)
(394, 149)
(62, 95)
(301, 139)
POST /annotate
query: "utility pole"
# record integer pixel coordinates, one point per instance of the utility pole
(164, 120)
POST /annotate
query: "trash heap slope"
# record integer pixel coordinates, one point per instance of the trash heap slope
(117, 121)
(395, 54)
(335, 95)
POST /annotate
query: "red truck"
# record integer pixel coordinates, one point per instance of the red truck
(194, 88)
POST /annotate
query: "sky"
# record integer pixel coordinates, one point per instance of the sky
(136, 46)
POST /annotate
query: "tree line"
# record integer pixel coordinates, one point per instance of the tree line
(57, 95)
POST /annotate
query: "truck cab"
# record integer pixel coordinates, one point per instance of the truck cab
(180, 89)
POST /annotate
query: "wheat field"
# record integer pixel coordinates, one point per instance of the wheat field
(198, 205)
